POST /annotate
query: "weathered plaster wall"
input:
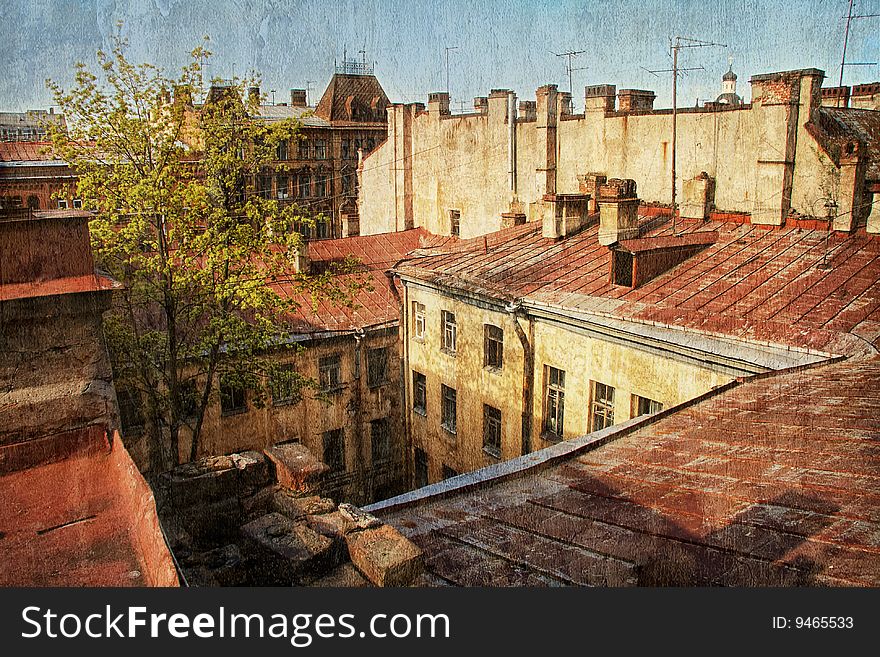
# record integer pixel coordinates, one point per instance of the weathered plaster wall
(763, 159)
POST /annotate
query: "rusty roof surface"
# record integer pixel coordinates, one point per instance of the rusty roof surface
(774, 481)
(82, 517)
(27, 151)
(752, 283)
(373, 305)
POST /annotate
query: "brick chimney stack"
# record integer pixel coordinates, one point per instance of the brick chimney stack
(635, 100)
(298, 98)
(618, 211)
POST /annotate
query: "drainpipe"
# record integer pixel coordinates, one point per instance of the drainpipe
(528, 394)
(357, 412)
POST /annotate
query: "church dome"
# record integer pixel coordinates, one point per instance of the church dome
(730, 76)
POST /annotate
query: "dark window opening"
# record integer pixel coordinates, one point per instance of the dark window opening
(377, 367)
(233, 398)
(334, 450)
(420, 393)
(493, 341)
(380, 440)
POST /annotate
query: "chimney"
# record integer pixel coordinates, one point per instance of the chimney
(302, 263)
(183, 95)
(590, 184)
(618, 211)
(600, 98)
(698, 194)
(528, 110)
(564, 215)
(298, 98)
(565, 106)
(481, 104)
(438, 103)
(254, 95)
(635, 100)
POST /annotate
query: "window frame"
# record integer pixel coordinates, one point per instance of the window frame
(286, 371)
(420, 393)
(448, 333)
(330, 363)
(376, 355)
(448, 400)
(420, 323)
(637, 403)
(455, 223)
(601, 405)
(554, 402)
(488, 340)
(230, 391)
(492, 431)
(384, 448)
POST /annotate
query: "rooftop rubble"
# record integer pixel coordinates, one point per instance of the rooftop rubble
(258, 519)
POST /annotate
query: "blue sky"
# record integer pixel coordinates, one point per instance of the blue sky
(501, 43)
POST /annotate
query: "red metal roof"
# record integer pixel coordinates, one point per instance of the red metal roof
(773, 482)
(26, 151)
(87, 519)
(375, 304)
(752, 283)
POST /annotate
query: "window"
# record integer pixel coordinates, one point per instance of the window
(493, 343)
(645, 406)
(421, 463)
(418, 320)
(304, 149)
(33, 202)
(304, 185)
(420, 393)
(62, 204)
(449, 332)
(281, 150)
(346, 149)
(264, 186)
(447, 409)
(320, 149)
(377, 367)
(455, 222)
(232, 397)
(371, 144)
(330, 372)
(130, 412)
(448, 472)
(380, 440)
(347, 184)
(77, 204)
(334, 450)
(284, 385)
(322, 229)
(492, 431)
(602, 408)
(321, 185)
(554, 402)
(281, 187)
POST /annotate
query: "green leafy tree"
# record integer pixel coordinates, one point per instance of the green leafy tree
(209, 266)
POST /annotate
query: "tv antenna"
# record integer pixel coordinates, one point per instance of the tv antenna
(569, 54)
(447, 49)
(849, 19)
(309, 84)
(676, 44)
